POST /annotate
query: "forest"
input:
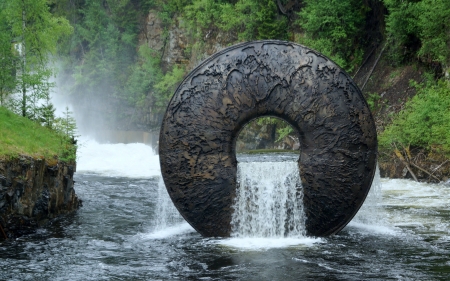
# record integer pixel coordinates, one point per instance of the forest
(102, 57)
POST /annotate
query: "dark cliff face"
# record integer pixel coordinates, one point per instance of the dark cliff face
(32, 191)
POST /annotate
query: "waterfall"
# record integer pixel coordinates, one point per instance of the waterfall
(166, 213)
(168, 221)
(269, 201)
(371, 212)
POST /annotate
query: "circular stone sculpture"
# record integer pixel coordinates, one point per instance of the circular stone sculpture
(268, 78)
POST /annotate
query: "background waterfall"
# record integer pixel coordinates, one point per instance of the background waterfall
(269, 200)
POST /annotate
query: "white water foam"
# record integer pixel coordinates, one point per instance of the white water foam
(387, 208)
(135, 160)
(174, 230)
(166, 213)
(254, 243)
(425, 204)
(168, 221)
(370, 216)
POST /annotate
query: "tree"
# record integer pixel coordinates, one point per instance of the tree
(334, 27)
(419, 29)
(34, 33)
(8, 58)
(67, 129)
(145, 73)
(271, 24)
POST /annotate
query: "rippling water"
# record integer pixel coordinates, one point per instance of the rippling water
(118, 235)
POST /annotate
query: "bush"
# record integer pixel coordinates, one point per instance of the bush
(334, 28)
(419, 28)
(247, 19)
(425, 121)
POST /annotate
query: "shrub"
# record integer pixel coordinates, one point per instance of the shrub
(419, 28)
(334, 28)
(425, 121)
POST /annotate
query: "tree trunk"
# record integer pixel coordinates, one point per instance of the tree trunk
(24, 62)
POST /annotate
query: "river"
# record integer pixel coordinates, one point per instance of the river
(126, 231)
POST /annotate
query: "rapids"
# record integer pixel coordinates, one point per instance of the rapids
(128, 229)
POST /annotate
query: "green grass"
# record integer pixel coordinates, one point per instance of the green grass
(21, 136)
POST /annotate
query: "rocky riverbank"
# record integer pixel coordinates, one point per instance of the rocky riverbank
(33, 191)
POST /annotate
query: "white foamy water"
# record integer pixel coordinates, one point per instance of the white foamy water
(135, 160)
(255, 243)
(169, 231)
(428, 205)
(269, 201)
(168, 221)
(371, 214)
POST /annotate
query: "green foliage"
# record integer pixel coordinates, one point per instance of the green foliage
(33, 33)
(240, 18)
(247, 19)
(425, 121)
(165, 88)
(47, 114)
(334, 28)
(372, 100)
(203, 13)
(21, 136)
(147, 78)
(434, 26)
(8, 59)
(144, 74)
(107, 51)
(67, 128)
(419, 28)
(270, 24)
(283, 129)
(101, 54)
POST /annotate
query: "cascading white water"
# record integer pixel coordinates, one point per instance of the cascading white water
(371, 212)
(166, 213)
(135, 160)
(269, 200)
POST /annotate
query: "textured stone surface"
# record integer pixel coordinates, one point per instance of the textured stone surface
(335, 128)
(33, 191)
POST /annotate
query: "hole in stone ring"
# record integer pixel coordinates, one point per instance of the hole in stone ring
(268, 78)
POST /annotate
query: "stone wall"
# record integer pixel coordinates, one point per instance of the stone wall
(32, 191)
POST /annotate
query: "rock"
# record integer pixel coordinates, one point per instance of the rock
(32, 191)
(268, 78)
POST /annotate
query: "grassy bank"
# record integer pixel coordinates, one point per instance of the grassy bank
(21, 136)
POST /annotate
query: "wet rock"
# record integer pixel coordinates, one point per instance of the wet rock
(268, 78)
(32, 191)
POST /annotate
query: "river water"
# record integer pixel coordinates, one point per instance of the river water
(127, 230)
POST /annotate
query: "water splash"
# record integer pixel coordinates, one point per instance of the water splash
(168, 221)
(166, 213)
(371, 212)
(269, 201)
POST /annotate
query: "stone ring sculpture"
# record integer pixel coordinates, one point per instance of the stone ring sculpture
(267, 78)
